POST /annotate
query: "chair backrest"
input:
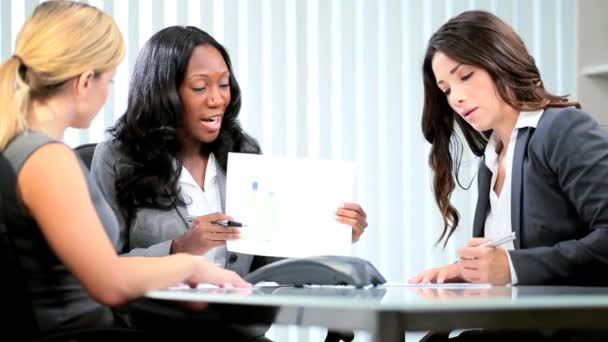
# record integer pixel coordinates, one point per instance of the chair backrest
(85, 152)
(16, 313)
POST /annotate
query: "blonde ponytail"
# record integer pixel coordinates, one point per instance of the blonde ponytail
(59, 41)
(14, 100)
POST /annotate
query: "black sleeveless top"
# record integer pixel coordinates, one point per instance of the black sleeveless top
(59, 300)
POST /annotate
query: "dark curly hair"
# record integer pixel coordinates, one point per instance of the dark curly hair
(483, 40)
(147, 132)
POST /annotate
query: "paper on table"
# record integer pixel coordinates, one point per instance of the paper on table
(288, 205)
(183, 286)
(438, 286)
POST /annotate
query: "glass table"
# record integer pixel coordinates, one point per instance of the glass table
(387, 312)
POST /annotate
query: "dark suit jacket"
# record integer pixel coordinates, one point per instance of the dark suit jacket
(559, 201)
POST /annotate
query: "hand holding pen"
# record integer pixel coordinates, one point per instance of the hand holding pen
(470, 267)
(494, 243)
(229, 223)
(480, 264)
(205, 232)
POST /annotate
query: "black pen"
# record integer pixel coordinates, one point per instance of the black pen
(225, 223)
(229, 223)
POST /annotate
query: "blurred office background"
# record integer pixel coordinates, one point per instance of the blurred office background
(339, 79)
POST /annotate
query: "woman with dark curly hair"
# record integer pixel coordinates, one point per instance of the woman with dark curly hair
(169, 154)
(168, 158)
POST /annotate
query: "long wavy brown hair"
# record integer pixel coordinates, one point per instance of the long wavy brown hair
(483, 40)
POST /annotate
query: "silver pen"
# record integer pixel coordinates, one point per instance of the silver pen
(497, 242)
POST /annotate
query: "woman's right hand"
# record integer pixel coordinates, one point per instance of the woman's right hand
(439, 275)
(209, 273)
(204, 235)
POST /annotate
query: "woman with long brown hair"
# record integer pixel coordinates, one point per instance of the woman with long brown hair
(544, 163)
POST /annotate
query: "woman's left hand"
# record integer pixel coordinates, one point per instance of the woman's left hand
(353, 215)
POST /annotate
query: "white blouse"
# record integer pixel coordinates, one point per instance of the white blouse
(199, 202)
(498, 221)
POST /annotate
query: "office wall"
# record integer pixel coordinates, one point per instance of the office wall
(339, 79)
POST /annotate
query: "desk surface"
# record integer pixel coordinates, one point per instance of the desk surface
(392, 310)
(398, 298)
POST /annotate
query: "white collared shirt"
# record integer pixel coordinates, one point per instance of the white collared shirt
(199, 202)
(498, 221)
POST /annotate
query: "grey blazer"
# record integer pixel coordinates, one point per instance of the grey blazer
(152, 231)
(559, 204)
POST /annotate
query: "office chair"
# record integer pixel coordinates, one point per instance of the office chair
(85, 152)
(17, 317)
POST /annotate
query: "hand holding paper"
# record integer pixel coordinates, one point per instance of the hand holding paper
(353, 215)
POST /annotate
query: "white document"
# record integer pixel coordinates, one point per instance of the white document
(288, 205)
(439, 286)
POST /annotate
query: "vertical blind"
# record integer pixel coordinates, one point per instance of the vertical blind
(338, 79)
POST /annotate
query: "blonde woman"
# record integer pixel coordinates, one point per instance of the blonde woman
(63, 230)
